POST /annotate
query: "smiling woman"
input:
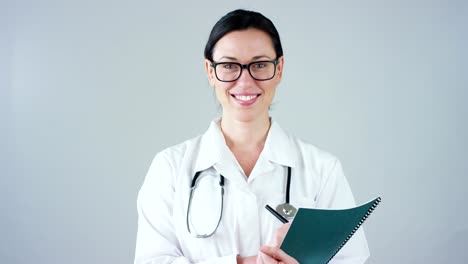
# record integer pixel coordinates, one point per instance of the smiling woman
(245, 97)
(203, 200)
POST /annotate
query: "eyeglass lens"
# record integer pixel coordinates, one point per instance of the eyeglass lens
(260, 70)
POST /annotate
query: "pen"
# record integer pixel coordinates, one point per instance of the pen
(276, 214)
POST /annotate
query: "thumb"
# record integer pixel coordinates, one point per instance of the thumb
(278, 254)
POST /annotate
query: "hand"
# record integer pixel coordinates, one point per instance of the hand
(279, 235)
(271, 254)
(274, 255)
(268, 255)
(246, 260)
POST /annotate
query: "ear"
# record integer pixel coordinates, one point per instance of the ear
(279, 68)
(210, 72)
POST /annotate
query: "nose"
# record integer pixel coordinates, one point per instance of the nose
(245, 76)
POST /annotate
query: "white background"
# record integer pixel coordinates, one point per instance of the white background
(91, 90)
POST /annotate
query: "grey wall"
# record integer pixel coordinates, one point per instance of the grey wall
(91, 90)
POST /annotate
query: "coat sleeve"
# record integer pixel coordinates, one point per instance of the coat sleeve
(156, 241)
(336, 193)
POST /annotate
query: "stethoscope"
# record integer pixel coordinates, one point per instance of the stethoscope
(286, 209)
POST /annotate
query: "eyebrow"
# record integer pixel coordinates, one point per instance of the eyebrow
(253, 58)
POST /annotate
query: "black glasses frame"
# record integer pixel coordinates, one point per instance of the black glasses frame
(245, 66)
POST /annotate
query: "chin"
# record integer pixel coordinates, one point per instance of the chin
(247, 116)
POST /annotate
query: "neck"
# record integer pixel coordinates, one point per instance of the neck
(245, 134)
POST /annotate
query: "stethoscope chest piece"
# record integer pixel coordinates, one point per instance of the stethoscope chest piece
(286, 210)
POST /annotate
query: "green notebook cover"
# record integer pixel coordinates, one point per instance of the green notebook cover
(316, 235)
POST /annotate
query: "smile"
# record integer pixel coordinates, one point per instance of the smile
(245, 97)
(245, 100)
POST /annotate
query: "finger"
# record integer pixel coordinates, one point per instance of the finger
(279, 235)
(264, 259)
(285, 227)
(278, 254)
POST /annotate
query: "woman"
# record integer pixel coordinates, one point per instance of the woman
(240, 165)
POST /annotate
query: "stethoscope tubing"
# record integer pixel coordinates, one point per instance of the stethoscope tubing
(192, 188)
(288, 184)
(221, 184)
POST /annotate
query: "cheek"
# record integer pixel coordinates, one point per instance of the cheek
(222, 87)
(269, 88)
(221, 90)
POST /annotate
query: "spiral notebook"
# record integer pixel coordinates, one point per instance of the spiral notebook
(317, 235)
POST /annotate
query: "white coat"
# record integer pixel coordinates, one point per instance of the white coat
(317, 181)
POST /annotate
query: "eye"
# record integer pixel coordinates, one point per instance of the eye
(259, 65)
(230, 66)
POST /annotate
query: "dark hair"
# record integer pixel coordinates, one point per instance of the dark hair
(240, 20)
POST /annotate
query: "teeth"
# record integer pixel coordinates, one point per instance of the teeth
(245, 97)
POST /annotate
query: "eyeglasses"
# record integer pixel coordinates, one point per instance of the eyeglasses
(231, 71)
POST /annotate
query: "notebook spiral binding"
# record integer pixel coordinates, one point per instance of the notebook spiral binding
(374, 205)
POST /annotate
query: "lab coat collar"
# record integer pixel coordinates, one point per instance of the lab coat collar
(213, 147)
(279, 147)
(215, 153)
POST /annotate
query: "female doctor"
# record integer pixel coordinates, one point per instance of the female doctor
(203, 201)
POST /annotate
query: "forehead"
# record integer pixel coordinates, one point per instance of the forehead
(244, 45)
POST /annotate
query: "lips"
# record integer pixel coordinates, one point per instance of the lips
(245, 99)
